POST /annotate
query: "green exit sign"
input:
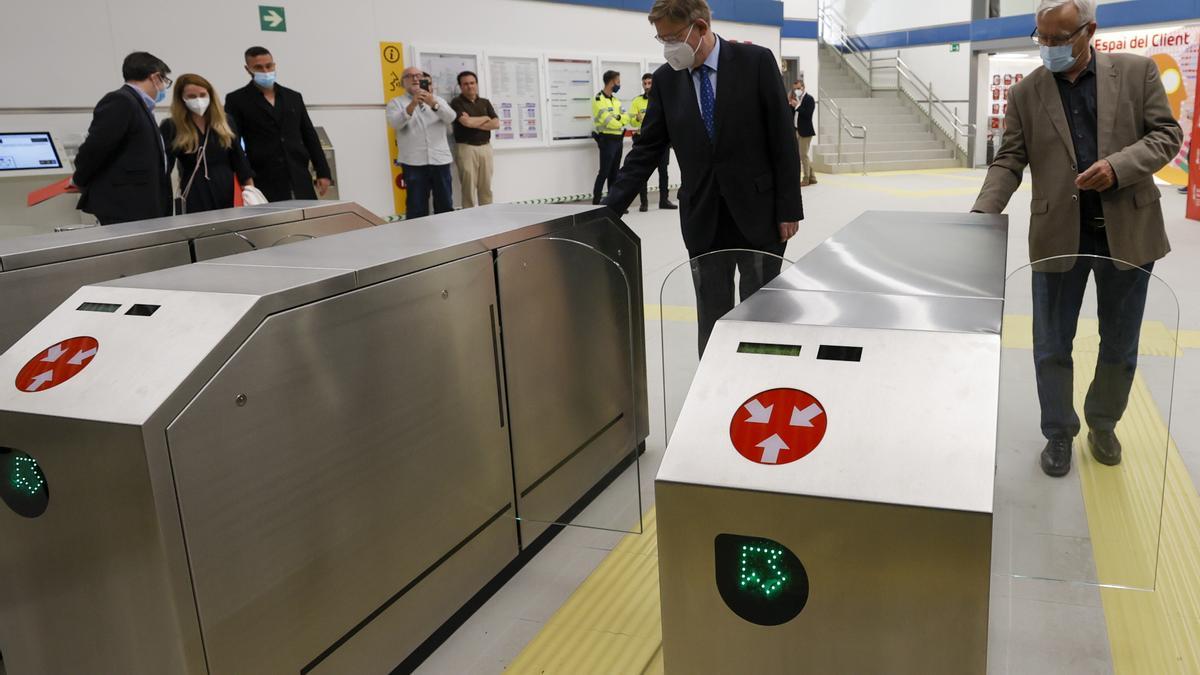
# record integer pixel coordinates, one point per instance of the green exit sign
(272, 19)
(954, 47)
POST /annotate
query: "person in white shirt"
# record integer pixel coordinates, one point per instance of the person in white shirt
(422, 121)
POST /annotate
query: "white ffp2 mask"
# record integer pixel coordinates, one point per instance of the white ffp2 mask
(197, 105)
(680, 55)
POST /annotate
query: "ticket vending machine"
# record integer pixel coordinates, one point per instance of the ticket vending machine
(825, 502)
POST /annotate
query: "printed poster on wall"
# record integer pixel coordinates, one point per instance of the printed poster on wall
(516, 93)
(444, 69)
(1174, 50)
(571, 91)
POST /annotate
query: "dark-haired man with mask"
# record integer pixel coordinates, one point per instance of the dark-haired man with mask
(121, 168)
(281, 140)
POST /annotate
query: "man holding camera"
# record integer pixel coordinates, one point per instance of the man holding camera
(422, 121)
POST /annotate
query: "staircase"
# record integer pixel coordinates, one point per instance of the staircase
(898, 135)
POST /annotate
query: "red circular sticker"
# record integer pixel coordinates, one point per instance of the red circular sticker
(57, 364)
(778, 426)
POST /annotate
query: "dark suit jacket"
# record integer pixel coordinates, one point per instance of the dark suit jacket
(280, 141)
(804, 114)
(753, 163)
(120, 168)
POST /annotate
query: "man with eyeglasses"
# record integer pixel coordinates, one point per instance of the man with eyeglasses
(422, 121)
(741, 179)
(1094, 128)
(121, 168)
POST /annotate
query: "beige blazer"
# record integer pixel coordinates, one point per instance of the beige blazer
(1138, 136)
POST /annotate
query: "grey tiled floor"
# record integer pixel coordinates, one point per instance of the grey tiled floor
(1059, 627)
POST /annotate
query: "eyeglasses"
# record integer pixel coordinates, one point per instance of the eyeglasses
(1056, 41)
(167, 82)
(677, 37)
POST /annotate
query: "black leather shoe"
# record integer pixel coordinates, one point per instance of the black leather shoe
(1105, 447)
(666, 204)
(1056, 458)
(644, 207)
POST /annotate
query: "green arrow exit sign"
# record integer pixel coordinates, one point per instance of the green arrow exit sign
(272, 18)
(954, 46)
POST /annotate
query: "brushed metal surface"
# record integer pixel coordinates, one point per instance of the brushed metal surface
(565, 312)
(908, 253)
(311, 227)
(872, 310)
(913, 422)
(27, 295)
(892, 589)
(395, 249)
(141, 359)
(368, 447)
(84, 587)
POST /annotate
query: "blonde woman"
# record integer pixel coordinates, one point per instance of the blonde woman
(201, 141)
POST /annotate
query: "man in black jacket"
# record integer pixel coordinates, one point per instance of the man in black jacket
(280, 138)
(804, 106)
(721, 107)
(121, 168)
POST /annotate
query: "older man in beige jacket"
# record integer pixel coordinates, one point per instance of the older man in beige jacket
(1093, 128)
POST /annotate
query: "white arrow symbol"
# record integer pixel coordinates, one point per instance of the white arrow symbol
(80, 357)
(804, 418)
(40, 380)
(272, 17)
(771, 448)
(759, 414)
(55, 352)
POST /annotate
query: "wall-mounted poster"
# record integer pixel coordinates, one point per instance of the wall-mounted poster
(571, 91)
(516, 93)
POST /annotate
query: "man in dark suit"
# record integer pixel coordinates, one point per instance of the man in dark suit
(721, 106)
(280, 138)
(121, 168)
(804, 106)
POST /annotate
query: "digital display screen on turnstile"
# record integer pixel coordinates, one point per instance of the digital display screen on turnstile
(30, 150)
(764, 348)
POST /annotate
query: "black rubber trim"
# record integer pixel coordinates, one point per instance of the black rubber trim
(571, 456)
(496, 362)
(399, 594)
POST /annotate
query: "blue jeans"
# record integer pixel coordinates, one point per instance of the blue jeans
(421, 181)
(1120, 303)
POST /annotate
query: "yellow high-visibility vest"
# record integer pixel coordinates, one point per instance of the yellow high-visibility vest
(607, 117)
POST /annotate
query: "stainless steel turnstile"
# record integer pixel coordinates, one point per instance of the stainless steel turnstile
(40, 271)
(305, 459)
(825, 501)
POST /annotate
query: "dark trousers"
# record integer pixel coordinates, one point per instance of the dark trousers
(712, 275)
(1120, 302)
(421, 182)
(610, 162)
(662, 178)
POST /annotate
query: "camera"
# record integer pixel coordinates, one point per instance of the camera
(425, 83)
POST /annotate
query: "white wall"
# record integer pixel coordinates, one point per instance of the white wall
(948, 72)
(330, 53)
(800, 9)
(879, 16)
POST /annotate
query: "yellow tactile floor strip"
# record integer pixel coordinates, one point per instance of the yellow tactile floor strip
(611, 624)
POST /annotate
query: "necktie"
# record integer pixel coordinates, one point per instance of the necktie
(708, 101)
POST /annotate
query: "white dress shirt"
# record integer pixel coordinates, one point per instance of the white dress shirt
(711, 62)
(421, 136)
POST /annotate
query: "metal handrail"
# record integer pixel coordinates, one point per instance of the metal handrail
(830, 20)
(846, 126)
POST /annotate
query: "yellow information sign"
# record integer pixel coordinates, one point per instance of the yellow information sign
(391, 57)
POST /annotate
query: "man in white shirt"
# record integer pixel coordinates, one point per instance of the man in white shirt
(422, 121)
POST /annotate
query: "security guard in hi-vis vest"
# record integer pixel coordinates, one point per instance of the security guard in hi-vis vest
(637, 113)
(609, 123)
